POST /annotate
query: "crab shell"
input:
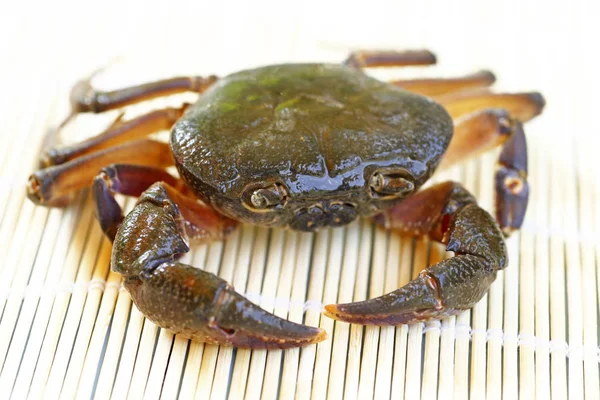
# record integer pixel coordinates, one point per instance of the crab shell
(316, 134)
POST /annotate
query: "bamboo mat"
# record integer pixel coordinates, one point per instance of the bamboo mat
(68, 329)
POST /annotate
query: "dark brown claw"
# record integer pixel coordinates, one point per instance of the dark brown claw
(184, 299)
(201, 306)
(449, 214)
(416, 301)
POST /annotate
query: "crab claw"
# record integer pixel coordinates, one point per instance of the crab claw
(244, 324)
(414, 302)
(185, 299)
(449, 214)
(201, 306)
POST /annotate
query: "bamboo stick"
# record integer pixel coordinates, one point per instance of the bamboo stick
(95, 292)
(588, 271)
(341, 331)
(269, 290)
(360, 293)
(415, 331)
(32, 295)
(243, 356)
(332, 279)
(401, 339)
(539, 207)
(383, 377)
(316, 285)
(371, 338)
(298, 304)
(558, 370)
(81, 252)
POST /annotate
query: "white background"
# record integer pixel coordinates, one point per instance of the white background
(549, 46)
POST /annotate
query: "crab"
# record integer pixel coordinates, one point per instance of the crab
(302, 146)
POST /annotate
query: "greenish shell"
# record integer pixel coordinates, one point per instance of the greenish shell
(320, 130)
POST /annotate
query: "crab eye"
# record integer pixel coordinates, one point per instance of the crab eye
(390, 184)
(267, 198)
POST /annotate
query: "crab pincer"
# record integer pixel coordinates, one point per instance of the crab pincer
(184, 299)
(448, 214)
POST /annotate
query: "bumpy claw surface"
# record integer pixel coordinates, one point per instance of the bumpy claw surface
(184, 299)
(419, 300)
(450, 286)
(201, 306)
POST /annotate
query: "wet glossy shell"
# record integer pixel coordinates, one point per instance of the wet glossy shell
(318, 130)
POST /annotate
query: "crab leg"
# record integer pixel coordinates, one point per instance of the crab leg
(449, 214)
(184, 299)
(481, 131)
(477, 133)
(84, 98)
(120, 132)
(441, 86)
(130, 180)
(389, 58)
(522, 106)
(53, 186)
(512, 188)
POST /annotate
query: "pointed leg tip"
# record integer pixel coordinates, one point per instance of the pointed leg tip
(258, 329)
(307, 335)
(331, 311)
(40, 194)
(486, 75)
(310, 335)
(319, 336)
(34, 190)
(507, 231)
(416, 301)
(538, 99)
(429, 57)
(304, 336)
(352, 315)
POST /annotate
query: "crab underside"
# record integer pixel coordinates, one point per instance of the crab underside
(302, 146)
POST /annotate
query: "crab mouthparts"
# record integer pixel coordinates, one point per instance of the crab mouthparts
(319, 215)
